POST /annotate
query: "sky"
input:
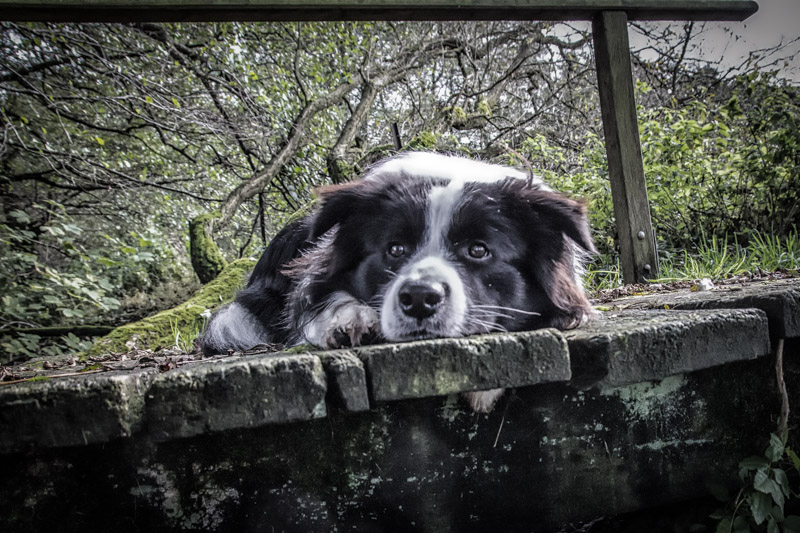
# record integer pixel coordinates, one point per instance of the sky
(730, 42)
(776, 21)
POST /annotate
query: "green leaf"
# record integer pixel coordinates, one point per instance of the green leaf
(775, 449)
(105, 261)
(21, 216)
(72, 228)
(128, 250)
(782, 480)
(772, 526)
(111, 303)
(100, 141)
(763, 484)
(724, 526)
(176, 103)
(777, 513)
(753, 462)
(795, 459)
(760, 506)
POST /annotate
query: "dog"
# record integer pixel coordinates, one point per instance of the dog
(424, 246)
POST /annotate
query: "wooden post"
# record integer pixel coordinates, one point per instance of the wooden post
(638, 257)
(398, 143)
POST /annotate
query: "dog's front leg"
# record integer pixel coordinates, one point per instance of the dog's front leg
(340, 322)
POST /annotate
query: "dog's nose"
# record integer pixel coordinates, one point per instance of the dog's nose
(421, 299)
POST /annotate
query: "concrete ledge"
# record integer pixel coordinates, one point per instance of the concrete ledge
(624, 347)
(72, 411)
(780, 300)
(445, 366)
(347, 380)
(249, 392)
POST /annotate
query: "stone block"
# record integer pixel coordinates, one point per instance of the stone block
(247, 392)
(622, 347)
(72, 411)
(445, 366)
(780, 300)
(347, 380)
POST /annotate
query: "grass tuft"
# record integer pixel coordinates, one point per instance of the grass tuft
(715, 258)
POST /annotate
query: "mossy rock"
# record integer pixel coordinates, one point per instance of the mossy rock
(207, 260)
(184, 321)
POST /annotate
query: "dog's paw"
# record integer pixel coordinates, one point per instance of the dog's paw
(351, 325)
(483, 401)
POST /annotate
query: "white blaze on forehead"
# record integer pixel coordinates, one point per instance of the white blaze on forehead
(442, 201)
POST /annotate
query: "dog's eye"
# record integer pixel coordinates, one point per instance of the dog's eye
(396, 249)
(478, 250)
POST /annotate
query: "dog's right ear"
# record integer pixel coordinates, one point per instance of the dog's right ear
(337, 203)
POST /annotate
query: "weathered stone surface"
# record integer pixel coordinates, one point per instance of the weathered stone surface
(72, 411)
(548, 455)
(780, 300)
(248, 392)
(347, 380)
(623, 347)
(445, 366)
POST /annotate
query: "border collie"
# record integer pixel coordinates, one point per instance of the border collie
(423, 246)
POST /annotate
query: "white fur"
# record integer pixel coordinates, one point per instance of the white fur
(236, 328)
(446, 167)
(340, 312)
(483, 401)
(442, 201)
(448, 322)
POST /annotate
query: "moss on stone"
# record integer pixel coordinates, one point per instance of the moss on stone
(182, 323)
(207, 260)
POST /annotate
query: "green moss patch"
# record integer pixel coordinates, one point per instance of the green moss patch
(207, 260)
(181, 324)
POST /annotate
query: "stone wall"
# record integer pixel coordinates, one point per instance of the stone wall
(643, 407)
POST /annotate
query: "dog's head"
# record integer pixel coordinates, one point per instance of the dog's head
(445, 246)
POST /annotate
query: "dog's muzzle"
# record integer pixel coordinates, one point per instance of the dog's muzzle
(426, 300)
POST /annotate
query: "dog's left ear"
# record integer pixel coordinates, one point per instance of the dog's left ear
(563, 214)
(554, 221)
(338, 202)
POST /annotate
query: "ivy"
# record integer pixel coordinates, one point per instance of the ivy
(759, 505)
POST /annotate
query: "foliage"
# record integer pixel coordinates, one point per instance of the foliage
(719, 169)
(759, 506)
(715, 259)
(60, 273)
(116, 136)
